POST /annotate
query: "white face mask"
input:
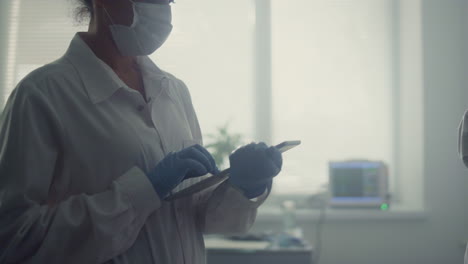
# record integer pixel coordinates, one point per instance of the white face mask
(152, 24)
(463, 139)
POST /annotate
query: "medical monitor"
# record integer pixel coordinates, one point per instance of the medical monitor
(360, 184)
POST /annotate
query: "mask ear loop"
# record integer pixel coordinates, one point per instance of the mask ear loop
(135, 16)
(108, 16)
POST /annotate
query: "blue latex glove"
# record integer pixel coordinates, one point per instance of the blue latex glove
(253, 168)
(190, 162)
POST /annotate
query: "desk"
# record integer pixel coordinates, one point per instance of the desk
(220, 251)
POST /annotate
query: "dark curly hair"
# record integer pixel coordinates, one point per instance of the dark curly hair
(85, 10)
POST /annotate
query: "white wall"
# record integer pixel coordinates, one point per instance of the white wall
(4, 7)
(438, 238)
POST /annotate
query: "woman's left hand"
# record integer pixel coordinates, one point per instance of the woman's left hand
(253, 167)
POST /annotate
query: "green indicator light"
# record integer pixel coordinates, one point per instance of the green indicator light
(384, 207)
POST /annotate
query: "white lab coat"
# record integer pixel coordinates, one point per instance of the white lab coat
(75, 143)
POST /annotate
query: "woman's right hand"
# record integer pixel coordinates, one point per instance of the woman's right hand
(190, 162)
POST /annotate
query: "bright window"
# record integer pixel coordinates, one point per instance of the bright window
(39, 32)
(211, 50)
(333, 85)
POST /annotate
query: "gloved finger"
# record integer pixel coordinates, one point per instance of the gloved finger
(273, 172)
(214, 168)
(205, 158)
(270, 168)
(261, 146)
(242, 149)
(265, 178)
(276, 156)
(194, 153)
(251, 145)
(193, 168)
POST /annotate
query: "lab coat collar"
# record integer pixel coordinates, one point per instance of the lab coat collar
(99, 80)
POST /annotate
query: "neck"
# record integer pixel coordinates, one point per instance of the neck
(101, 43)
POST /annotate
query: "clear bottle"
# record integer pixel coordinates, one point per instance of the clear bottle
(290, 225)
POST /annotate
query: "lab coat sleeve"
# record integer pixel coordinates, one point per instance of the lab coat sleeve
(84, 228)
(224, 208)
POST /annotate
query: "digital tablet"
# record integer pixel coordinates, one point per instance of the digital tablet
(212, 180)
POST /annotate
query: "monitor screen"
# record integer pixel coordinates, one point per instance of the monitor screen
(355, 181)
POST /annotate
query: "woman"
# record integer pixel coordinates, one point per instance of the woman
(92, 143)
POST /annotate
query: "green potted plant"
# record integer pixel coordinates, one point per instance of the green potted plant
(222, 143)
